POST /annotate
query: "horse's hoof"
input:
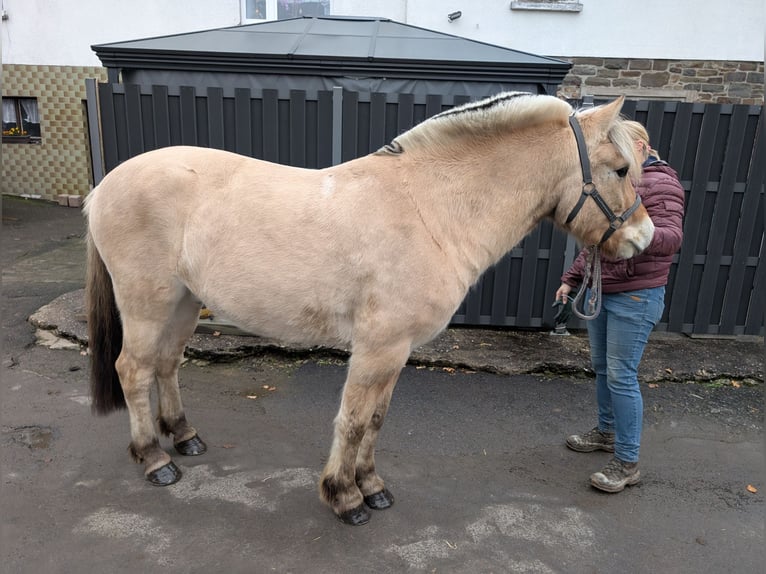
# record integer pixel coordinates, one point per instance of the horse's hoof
(356, 516)
(165, 475)
(191, 447)
(380, 500)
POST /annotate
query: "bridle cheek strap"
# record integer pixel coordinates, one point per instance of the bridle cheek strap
(589, 188)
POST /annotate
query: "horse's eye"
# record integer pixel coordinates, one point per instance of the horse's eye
(622, 172)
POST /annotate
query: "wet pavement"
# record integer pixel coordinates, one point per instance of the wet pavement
(472, 449)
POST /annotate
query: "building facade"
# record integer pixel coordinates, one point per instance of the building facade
(701, 51)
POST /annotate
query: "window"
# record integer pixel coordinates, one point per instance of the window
(21, 120)
(254, 11)
(298, 8)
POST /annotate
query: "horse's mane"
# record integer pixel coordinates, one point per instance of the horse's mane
(483, 118)
(500, 113)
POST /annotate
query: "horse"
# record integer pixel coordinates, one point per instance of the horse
(374, 255)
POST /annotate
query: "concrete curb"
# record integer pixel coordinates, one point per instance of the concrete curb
(668, 357)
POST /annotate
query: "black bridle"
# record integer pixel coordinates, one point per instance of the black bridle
(589, 188)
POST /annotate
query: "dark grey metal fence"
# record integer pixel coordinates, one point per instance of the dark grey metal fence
(717, 280)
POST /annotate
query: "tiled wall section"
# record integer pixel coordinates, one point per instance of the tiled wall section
(60, 165)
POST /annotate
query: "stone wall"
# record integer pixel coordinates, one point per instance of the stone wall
(60, 164)
(723, 82)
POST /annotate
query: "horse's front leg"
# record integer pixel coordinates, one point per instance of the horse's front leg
(375, 493)
(369, 385)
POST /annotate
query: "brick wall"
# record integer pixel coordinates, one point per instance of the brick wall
(60, 164)
(724, 82)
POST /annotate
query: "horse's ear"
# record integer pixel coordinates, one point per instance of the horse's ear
(602, 117)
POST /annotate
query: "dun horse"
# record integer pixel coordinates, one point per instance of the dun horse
(374, 255)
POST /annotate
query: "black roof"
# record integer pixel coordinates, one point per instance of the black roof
(333, 45)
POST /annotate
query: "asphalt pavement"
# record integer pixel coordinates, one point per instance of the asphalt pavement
(472, 449)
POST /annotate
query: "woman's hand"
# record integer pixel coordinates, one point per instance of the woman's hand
(563, 292)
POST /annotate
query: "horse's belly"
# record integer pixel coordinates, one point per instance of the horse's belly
(291, 311)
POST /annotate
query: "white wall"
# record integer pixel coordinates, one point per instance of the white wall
(668, 29)
(60, 32)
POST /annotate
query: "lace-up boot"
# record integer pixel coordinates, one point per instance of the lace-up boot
(592, 440)
(616, 475)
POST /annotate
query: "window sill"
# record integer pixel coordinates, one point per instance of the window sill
(21, 140)
(547, 6)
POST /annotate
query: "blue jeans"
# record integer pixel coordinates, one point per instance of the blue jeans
(617, 340)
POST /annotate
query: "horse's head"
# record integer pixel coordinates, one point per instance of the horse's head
(600, 205)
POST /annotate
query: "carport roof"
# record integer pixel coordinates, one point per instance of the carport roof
(330, 46)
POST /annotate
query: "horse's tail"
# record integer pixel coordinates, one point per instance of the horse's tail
(104, 335)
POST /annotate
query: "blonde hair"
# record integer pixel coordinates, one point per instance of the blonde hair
(638, 133)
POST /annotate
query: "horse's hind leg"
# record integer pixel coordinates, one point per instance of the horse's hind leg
(370, 382)
(172, 418)
(151, 350)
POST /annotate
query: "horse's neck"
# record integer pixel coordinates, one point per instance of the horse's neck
(480, 208)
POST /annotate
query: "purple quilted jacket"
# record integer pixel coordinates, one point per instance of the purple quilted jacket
(663, 198)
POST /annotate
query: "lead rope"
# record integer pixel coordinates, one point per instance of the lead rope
(591, 307)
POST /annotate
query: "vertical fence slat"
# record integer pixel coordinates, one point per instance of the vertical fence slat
(215, 117)
(298, 128)
(188, 116)
(433, 105)
(350, 120)
(555, 267)
(473, 304)
(679, 141)
(325, 118)
(161, 113)
(406, 112)
(683, 290)
(500, 291)
(243, 140)
(94, 133)
(530, 248)
(108, 128)
(755, 315)
(134, 121)
(377, 120)
(745, 230)
(270, 125)
(717, 229)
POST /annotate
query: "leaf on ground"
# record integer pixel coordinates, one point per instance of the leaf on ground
(751, 488)
(736, 384)
(448, 369)
(653, 385)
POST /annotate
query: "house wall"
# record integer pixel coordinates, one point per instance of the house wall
(689, 50)
(651, 29)
(46, 55)
(60, 164)
(693, 50)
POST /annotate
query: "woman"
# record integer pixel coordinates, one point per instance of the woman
(632, 303)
